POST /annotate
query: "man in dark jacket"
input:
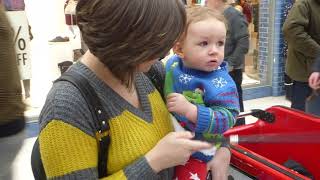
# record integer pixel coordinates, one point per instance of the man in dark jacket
(301, 30)
(237, 44)
(11, 106)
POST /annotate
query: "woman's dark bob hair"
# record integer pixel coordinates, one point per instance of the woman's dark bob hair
(126, 33)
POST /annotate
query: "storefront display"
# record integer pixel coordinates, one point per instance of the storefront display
(251, 71)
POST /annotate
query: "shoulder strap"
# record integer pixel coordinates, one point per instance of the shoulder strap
(154, 76)
(98, 113)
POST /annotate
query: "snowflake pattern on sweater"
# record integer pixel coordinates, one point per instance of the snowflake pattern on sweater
(219, 82)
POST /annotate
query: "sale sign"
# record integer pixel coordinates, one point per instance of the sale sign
(19, 23)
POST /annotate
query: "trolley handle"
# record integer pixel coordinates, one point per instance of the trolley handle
(260, 114)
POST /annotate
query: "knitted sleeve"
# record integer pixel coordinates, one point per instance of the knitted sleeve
(215, 119)
(157, 75)
(220, 113)
(316, 67)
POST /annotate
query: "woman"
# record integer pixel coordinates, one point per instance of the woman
(125, 38)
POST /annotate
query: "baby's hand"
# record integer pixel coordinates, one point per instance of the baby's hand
(177, 103)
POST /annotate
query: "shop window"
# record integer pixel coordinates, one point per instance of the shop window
(251, 71)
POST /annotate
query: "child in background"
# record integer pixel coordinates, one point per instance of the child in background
(199, 91)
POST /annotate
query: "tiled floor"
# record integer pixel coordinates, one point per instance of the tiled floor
(263, 103)
(22, 166)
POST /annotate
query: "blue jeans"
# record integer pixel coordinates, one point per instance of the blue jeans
(300, 92)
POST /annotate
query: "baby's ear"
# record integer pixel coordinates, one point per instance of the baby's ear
(177, 49)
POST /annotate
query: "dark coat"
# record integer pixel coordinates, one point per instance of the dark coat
(302, 32)
(316, 67)
(11, 105)
(237, 42)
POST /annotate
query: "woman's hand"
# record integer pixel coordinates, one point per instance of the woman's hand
(173, 149)
(314, 80)
(219, 165)
(177, 103)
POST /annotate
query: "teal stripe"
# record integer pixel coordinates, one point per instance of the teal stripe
(230, 118)
(212, 121)
(227, 113)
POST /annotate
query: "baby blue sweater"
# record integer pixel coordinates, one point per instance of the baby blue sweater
(214, 93)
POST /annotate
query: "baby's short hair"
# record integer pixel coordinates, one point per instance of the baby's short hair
(197, 13)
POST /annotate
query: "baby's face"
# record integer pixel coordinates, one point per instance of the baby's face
(203, 46)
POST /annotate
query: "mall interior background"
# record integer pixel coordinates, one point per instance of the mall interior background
(264, 62)
(264, 70)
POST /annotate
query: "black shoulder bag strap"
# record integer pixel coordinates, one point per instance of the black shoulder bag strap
(98, 113)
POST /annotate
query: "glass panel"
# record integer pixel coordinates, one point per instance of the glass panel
(251, 71)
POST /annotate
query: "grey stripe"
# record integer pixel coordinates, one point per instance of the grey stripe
(64, 101)
(141, 170)
(87, 174)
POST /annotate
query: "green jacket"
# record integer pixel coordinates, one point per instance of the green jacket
(11, 105)
(302, 32)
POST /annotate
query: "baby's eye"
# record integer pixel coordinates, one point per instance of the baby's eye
(221, 43)
(203, 43)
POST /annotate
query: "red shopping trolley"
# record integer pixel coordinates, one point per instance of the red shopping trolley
(280, 134)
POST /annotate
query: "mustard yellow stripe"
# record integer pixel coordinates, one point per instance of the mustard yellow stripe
(116, 176)
(65, 149)
(132, 137)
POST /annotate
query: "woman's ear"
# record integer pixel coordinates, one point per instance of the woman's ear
(178, 50)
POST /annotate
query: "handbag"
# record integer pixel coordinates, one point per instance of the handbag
(313, 103)
(70, 12)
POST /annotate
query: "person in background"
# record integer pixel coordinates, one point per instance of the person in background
(236, 46)
(78, 47)
(70, 15)
(238, 7)
(12, 121)
(200, 93)
(71, 22)
(246, 10)
(301, 31)
(312, 104)
(125, 39)
(19, 5)
(314, 79)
